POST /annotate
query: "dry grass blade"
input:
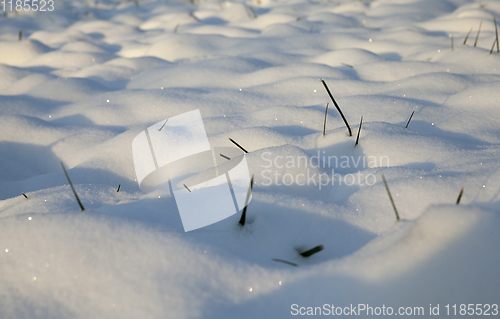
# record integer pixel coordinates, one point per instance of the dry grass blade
(409, 119)
(239, 146)
(493, 46)
(390, 197)
(467, 36)
(324, 124)
(244, 213)
(312, 251)
(359, 131)
(478, 31)
(72, 188)
(496, 33)
(163, 125)
(337, 106)
(460, 195)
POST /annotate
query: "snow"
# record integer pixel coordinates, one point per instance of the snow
(90, 76)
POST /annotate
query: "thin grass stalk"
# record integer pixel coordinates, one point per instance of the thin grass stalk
(324, 124)
(478, 31)
(337, 106)
(460, 195)
(409, 119)
(390, 197)
(359, 131)
(239, 146)
(72, 188)
(467, 36)
(312, 251)
(244, 213)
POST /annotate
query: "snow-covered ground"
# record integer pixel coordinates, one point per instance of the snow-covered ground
(86, 78)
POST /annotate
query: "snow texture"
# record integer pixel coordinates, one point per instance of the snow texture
(88, 77)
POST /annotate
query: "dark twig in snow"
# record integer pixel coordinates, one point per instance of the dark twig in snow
(25, 196)
(224, 156)
(460, 195)
(324, 124)
(72, 188)
(338, 108)
(241, 148)
(409, 119)
(493, 46)
(312, 251)
(118, 188)
(163, 125)
(496, 32)
(359, 131)
(244, 213)
(390, 197)
(478, 31)
(467, 36)
(187, 188)
(20, 35)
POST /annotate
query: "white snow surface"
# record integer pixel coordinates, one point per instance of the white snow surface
(88, 77)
